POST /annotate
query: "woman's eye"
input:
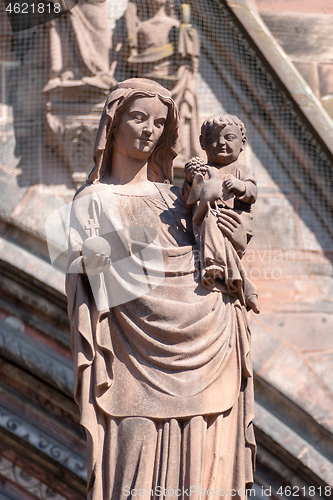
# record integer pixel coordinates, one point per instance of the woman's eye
(137, 117)
(159, 123)
(230, 137)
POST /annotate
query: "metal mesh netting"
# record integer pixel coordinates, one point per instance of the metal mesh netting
(55, 78)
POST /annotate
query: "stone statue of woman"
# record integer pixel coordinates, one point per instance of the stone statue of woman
(162, 365)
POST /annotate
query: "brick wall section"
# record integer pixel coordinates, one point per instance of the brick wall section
(304, 30)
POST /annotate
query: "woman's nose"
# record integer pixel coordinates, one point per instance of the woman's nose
(221, 140)
(148, 127)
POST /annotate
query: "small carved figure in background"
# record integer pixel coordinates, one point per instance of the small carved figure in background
(231, 186)
(151, 42)
(79, 43)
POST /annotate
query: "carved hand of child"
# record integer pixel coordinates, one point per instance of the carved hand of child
(194, 166)
(234, 185)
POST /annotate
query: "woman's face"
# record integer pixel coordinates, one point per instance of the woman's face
(140, 127)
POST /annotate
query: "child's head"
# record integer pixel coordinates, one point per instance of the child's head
(223, 138)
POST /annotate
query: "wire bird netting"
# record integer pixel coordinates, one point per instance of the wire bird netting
(54, 79)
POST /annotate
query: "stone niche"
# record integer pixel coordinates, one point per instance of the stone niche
(72, 118)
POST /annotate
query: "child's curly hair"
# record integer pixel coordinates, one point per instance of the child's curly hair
(222, 121)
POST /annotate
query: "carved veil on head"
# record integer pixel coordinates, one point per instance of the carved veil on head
(161, 159)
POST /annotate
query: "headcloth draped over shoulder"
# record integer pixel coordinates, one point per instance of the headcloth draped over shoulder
(160, 162)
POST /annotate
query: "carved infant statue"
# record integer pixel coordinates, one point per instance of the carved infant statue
(222, 186)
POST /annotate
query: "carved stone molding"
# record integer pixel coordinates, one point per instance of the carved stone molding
(16, 345)
(12, 472)
(40, 440)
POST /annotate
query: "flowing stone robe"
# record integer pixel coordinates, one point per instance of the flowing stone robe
(162, 365)
(80, 44)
